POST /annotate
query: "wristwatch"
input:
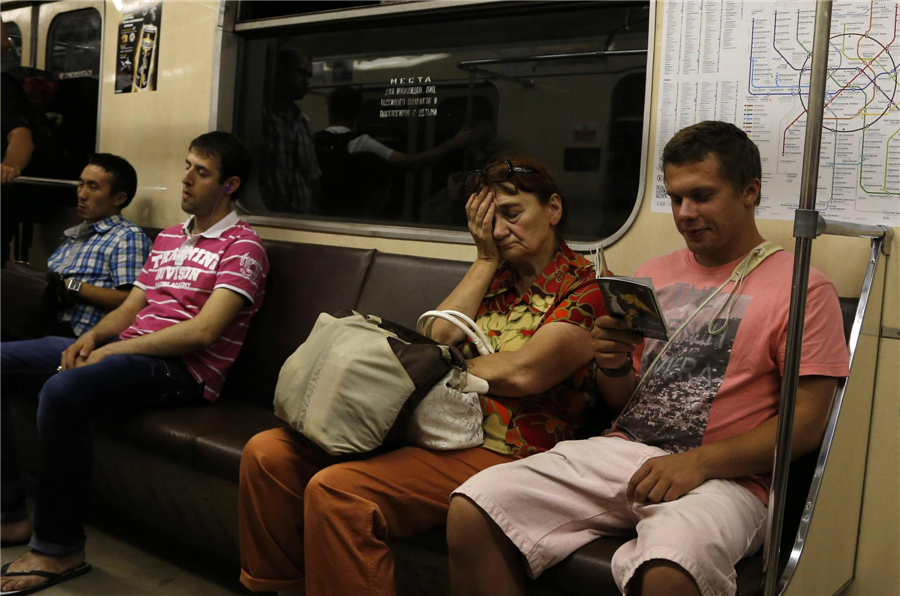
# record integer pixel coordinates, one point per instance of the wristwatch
(623, 370)
(73, 285)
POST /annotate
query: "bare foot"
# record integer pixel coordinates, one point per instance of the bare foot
(33, 560)
(16, 530)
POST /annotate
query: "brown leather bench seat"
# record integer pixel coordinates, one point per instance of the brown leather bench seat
(176, 470)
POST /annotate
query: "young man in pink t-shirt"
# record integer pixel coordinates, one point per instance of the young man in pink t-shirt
(171, 342)
(686, 465)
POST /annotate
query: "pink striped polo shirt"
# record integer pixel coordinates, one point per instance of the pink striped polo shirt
(182, 272)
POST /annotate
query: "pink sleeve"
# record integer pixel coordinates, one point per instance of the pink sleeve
(243, 269)
(824, 350)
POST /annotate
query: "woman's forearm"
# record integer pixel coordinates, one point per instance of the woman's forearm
(465, 298)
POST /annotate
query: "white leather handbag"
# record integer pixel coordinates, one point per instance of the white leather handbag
(450, 415)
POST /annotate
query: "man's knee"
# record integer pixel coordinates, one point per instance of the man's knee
(659, 577)
(469, 528)
(56, 402)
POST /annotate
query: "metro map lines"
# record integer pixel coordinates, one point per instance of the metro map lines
(758, 78)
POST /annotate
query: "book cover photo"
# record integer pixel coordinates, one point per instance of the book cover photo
(634, 299)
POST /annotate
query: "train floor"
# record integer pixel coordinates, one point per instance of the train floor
(126, 565)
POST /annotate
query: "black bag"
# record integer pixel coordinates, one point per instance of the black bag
(31, 299)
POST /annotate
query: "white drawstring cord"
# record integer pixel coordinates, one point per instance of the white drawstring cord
(756, 253)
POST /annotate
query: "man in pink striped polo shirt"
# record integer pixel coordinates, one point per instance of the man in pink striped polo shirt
(172, 341)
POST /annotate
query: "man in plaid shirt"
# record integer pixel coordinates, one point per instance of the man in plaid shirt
(170, 342)
(102, 256)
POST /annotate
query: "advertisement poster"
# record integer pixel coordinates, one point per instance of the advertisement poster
(138, 44)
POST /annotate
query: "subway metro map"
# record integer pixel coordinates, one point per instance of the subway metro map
(748, 63)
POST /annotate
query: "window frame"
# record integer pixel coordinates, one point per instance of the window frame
(227, 55)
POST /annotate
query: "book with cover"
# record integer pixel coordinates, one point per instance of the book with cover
(634, 299)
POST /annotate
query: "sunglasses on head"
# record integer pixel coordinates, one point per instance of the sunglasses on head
(495, 172)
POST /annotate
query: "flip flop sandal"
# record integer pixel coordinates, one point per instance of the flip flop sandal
(52, 578)
(23, 541)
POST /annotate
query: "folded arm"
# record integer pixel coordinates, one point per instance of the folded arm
(552, 355)
(668, 477)
(182, 338)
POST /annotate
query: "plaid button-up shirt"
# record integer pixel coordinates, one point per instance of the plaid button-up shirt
(108, 253)
(288, 165)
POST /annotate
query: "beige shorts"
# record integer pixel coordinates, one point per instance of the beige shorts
(553, 503)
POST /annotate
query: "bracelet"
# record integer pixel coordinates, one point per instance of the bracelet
(621, 371)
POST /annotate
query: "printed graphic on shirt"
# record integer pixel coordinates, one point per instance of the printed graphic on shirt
(250, 267)
(671, 410)
(180, 274)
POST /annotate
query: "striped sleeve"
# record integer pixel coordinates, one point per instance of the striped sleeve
(243, 268)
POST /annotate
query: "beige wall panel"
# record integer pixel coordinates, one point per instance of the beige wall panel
(153, 129)
(878, 566)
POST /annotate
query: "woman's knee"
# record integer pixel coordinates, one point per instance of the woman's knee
(264, 455)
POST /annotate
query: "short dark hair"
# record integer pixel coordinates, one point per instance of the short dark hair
(232, 156)
(540, 183)
(124, 178)
(738, 156)
(344, 103)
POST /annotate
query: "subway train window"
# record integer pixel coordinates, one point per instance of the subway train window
(13, 57)
(376, 120)
(73, 60)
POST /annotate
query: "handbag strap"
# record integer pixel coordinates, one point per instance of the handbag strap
(743, 269)
(461, 322)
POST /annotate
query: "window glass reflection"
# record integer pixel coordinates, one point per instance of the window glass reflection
(380, 123)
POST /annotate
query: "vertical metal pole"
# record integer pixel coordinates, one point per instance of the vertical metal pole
(803, 249)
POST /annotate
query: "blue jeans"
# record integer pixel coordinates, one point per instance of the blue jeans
(69, 402)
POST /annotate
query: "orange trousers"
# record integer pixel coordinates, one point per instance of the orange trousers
(307, 525)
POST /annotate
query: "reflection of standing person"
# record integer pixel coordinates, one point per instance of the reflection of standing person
(340, 149)
(289, 171)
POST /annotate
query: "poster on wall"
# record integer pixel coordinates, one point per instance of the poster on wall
(138, 44)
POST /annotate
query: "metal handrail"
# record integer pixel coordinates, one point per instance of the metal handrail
(799, 291)
(34, 180)
(833, 418)
(473, 64)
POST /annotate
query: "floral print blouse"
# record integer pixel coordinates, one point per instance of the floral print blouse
(565, 292)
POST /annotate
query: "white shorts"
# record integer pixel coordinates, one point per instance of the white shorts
(553, 503)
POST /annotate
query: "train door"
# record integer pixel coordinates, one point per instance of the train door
(17, 22)
(69, 38)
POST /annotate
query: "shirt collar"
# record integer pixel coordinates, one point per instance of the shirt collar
(104, 225)
(548, 281)
(338, 129)
(215, 231)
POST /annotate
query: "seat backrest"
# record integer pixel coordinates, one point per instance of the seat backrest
(400, 288)
(304, 281)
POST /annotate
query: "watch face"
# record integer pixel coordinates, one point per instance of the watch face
(74, 285)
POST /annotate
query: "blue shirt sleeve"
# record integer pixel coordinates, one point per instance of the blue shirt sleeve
(129, 255)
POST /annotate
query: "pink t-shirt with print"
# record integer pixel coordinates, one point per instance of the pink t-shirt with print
(180, 275)
(710, 387)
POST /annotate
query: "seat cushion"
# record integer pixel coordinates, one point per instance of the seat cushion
(208, 438)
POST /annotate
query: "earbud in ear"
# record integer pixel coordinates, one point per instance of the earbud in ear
(227, 187)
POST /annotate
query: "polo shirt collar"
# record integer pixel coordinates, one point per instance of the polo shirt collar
(215, 231)
(100, 227)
